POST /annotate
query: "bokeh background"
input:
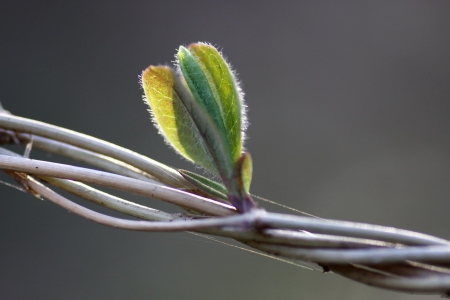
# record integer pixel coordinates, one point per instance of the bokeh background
(349, 105)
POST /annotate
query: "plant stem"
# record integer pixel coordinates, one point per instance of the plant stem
(160, 171)
(114, 181)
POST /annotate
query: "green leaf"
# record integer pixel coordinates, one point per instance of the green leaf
(163, 93)
(206, 185)
(226, 92)
(206, 113)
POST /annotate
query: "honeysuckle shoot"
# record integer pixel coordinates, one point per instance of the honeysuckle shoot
(200, 111)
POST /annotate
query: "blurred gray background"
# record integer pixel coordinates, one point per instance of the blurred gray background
(350, 116)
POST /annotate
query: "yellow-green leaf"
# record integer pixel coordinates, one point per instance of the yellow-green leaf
(170, 116)
(246, 171)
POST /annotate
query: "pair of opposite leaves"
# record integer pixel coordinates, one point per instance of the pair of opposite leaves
(200, 112)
